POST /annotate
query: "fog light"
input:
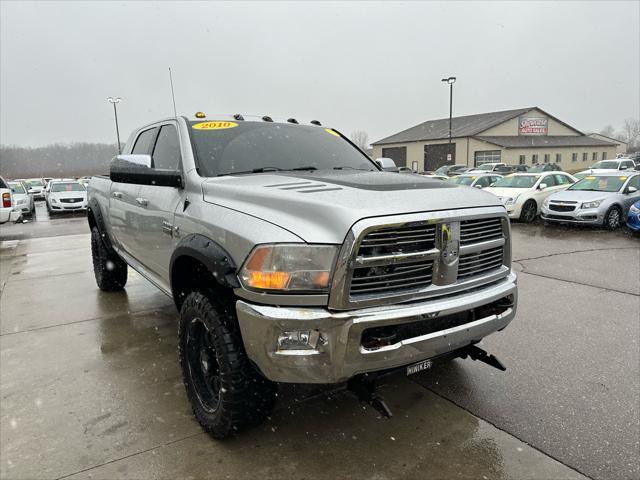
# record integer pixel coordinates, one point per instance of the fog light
(299, 340)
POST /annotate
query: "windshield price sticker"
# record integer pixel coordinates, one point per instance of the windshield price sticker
(221, 125)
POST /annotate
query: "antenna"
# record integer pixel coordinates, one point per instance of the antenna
(173, 95)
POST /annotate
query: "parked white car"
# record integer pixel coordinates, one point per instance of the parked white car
(36, 187)
(22, 199)
(66, 196)
(477, 180)
(604, 166)
(523, 193)
(487, 167)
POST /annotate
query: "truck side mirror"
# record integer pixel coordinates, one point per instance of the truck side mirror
(631, 189)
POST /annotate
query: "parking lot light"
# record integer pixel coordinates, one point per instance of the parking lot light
(450, 81)
(115, 101)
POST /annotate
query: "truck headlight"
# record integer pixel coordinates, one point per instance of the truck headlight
(289, 267)
(594, 204)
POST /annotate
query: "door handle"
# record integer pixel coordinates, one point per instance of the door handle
(142, 201)
(117, 195)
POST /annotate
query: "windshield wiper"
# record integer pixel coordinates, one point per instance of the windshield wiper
(255, 170)
(346, 167)
(310, 167)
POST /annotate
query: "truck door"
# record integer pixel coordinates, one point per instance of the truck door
(156, 208)
(122, 201)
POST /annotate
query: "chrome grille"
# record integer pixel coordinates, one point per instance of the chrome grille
(404, 239)
(387, 276)
(391, 278)
(70, 200)
(420, 255)
(481, 230)
(481, 262)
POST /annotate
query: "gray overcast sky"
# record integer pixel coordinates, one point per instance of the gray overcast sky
(370, 66)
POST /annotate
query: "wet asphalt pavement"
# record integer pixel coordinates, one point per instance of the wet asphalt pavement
(90, 386)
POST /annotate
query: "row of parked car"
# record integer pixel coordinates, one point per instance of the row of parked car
(60, 194)
(606, 195)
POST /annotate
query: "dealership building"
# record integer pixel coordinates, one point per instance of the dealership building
(523, 136)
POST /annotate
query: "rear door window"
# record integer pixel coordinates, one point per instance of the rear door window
(166, 154)
(144, 142)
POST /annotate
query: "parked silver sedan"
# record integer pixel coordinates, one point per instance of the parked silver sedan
(599, 199)
(478, 180)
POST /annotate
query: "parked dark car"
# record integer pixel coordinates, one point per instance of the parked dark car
(521, 168)
(504, 169)
(545, 167)
(449, 169)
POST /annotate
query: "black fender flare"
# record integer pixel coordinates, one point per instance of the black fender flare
(211, 255)
(96, 212)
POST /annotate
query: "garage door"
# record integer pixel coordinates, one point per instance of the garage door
(398, 154)
(436, 156)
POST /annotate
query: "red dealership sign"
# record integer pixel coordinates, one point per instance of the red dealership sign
(533, 126)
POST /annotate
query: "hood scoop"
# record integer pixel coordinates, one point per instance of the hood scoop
(305, 187)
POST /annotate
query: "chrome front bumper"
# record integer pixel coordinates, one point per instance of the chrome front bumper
(339, 355)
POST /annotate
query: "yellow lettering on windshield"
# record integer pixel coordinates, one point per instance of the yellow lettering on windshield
(218, 125)
(623, 178)
(590, 178)
(332, 132)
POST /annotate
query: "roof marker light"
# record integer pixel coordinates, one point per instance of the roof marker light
(237, 116)
(316, 122)
(292, 120)
(200, 115)
(267, 118)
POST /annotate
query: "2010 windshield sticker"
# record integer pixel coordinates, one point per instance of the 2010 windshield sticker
(220, 125)
(332, 132)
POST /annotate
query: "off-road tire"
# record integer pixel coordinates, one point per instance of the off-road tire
(529, 211)
(613, 218)
(109, 269)
(244, 397)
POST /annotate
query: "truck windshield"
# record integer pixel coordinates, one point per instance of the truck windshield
(254, 147)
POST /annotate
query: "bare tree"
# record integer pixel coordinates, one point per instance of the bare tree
(631, 132)
(608, 131)
(360, 138)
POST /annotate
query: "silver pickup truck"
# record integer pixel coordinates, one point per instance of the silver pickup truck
(292, 257)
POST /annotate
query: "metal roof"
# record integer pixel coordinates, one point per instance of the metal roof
(543, 141)
(466, 126)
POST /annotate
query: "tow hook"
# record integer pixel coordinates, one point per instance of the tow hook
(364, 387)
(476, 353)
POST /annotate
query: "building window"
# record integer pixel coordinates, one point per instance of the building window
(585, 156)
(558, 157)
(534, 158)
(522, 160)
(487, 156)
(547, 157)
(574, 157)
(594, 156)
(604, 155)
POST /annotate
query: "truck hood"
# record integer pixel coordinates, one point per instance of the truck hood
(321, 206)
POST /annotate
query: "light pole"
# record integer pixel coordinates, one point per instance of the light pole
(450, 81)
(115, 101)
